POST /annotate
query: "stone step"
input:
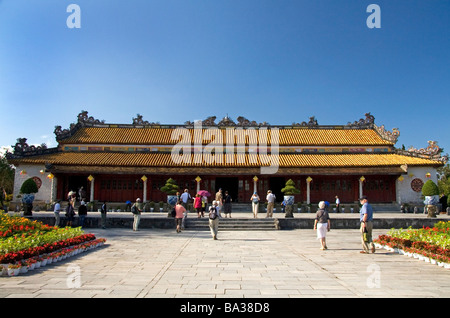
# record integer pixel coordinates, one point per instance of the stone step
(232, 224)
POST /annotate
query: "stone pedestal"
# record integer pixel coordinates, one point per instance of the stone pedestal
(289, 209)
(432, 210)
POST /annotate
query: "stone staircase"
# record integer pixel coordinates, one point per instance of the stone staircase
(233, 224)
(386, 207)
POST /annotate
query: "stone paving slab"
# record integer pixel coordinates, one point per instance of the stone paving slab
(256, 264)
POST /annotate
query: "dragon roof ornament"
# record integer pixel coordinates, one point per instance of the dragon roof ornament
(228, 122)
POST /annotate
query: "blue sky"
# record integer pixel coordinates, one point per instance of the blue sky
(177, 60)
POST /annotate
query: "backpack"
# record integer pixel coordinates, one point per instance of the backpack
(134, 209)
(213, 213)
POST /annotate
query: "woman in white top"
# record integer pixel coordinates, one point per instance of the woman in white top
(255, 204)
(322, 224)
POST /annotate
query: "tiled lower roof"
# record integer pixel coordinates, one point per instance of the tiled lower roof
(120, 159)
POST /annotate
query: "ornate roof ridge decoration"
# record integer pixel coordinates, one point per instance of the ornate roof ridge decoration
(369, 122)
(433, 152)
(386, 134)
(228, 122)
(21, 148)
(83, 120)
(138, 121)
(311, 123)
(363, 122)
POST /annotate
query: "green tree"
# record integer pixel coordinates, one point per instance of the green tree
(6, 174)
(444, 179)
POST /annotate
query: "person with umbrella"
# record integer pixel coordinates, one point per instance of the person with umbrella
(204, 194)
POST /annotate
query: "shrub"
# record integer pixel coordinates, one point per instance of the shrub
(430, 188)
(29, 186)
(290, 188)
(170, 187)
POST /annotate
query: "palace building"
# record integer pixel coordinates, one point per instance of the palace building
(122, 162)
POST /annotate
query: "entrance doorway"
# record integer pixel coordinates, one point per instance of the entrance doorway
(75, 183)
(276, 184)
(228, 184)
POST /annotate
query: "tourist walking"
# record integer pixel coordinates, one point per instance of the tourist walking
(338, 204)
(214, 215)
(103, 211)
(179, 215)
(70, 212)
(270, 203)
(366, 218)
(185, 198)
(322, 224)
(82, 212)
(56, 211)
(227, 204)
(136, 209)
(198, 205)
(255, 204)
(219, 199)
(204, 204)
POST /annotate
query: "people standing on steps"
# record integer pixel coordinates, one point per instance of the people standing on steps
(219, 199)
(338, 204)
(227, 204)
(270, 203)
(198, 205)
(255, 204)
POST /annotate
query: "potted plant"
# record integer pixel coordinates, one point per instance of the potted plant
(152, 206)
(170, 188)
(28, 189)
(431, 193)
(161, 206)
(289, 190)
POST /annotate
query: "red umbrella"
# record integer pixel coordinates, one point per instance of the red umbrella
(204, 193)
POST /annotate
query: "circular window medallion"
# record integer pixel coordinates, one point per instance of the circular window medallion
(417, 184)
(38, 182)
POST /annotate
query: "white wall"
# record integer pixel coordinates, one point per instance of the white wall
(45, 191)
(405, 193)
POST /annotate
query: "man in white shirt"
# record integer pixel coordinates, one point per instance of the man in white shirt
(270, 203)
(56, 211)
(338, 202)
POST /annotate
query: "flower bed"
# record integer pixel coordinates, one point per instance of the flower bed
(429, 244)
(25, 244)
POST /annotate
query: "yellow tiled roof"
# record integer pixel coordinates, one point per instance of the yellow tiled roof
(287, 137)
(119, 159)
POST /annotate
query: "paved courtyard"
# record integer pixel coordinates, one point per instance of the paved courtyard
(253, 264)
